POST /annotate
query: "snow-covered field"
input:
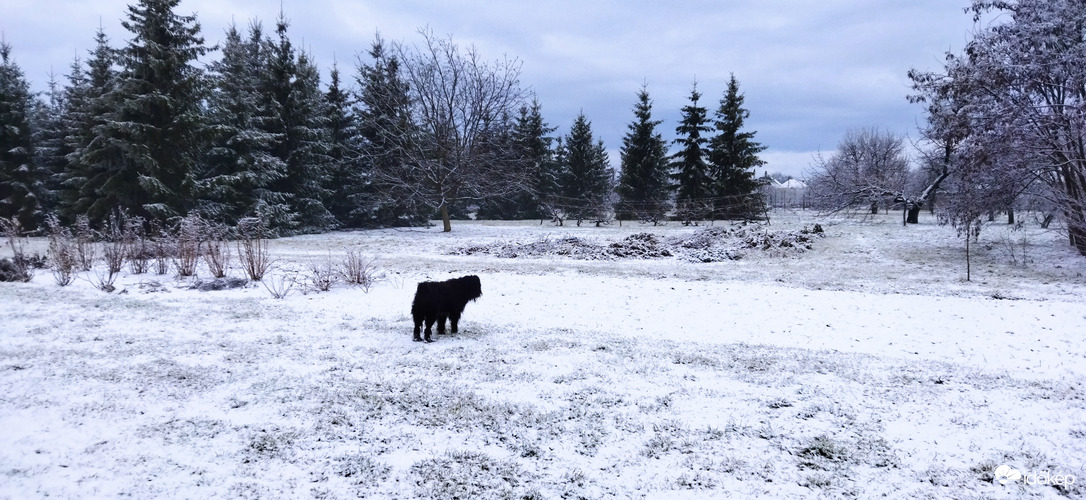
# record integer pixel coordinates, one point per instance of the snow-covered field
(866, 366)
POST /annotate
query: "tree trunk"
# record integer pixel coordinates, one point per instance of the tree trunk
(1075, 218)
(914, 213)
(874, 208)
(968, 269)
(1078, 239)
(1010, 216)
(446, 223)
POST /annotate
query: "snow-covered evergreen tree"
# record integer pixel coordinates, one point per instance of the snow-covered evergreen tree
(342, 153)
(71, 178)
(158, 122)
(533, 138)
(586, 179)
(530, 145)
(385, 129)
(21, 184)
(91, 103)
(733, 158)
(309, 163)
(291, 92)
(643, 186)
(49, 145)
(237, 175)
(690, 169)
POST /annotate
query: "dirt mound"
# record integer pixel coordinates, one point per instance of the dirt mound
(569, 246)
(717, 244)
(640, 246)
(714, 244)
(219, 284)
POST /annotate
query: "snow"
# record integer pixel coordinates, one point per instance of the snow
(865, 366)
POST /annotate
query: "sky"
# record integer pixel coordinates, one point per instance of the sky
(809, 71)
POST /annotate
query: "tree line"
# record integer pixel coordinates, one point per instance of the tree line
(425, 130)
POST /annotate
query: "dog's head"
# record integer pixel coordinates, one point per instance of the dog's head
(473, 288)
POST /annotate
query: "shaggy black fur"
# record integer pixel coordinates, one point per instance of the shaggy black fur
(437, 300)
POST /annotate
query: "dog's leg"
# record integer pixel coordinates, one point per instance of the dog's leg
(454, 320)
(418, 328)
(441, 323)
(429, 324)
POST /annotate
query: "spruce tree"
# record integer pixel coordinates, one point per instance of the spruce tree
(495, 148)
(643, 186)
(342, 154)
(586, 179)
(276, 77)
(733, 157)
(70, 178)
(90, 97)
(385, 128)
(530, 148)
(236, 177)
(536, 145)
(308, 163)
(21, 184)
(50, 148)
(158, 121)
(291, 92)
(690, 170)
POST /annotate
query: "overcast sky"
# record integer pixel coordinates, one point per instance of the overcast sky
(810, 70)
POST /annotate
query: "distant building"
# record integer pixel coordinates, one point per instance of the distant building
(791, 193)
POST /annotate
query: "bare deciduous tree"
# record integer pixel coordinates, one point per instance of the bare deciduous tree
(461, 106)
(868, 169)
(1018, 93)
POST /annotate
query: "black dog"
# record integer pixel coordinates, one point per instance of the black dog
(437, 300)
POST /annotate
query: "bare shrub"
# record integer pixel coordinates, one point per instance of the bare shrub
(252, 247)
(1017, 250)
(322, 275)
(114, 248)
(18, 268)
(278, 286)
(114, 251)
(12, 230)
(216, 250)
(85, 237)
(137, 247)
(191, 232)
(62, 252)
(162, 248)
(359, 271)
(103, 280)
